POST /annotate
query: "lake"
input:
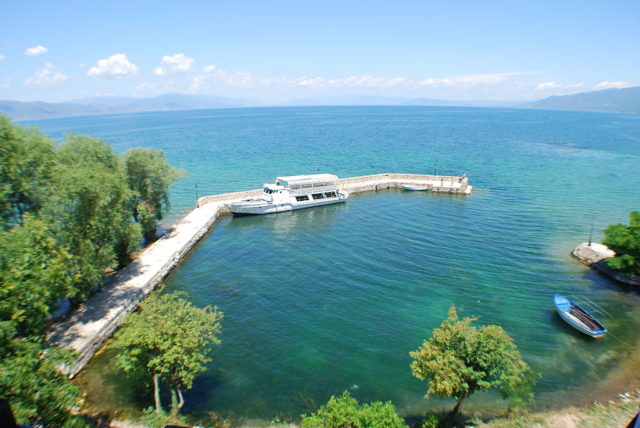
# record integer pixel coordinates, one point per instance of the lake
(330, 299)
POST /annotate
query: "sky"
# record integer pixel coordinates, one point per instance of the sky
(279, 51)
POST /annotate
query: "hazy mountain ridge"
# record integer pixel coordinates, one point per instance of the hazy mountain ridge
(626, 100)
(18, 110)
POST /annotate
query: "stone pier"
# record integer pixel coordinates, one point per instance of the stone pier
(91, 324)
(594, 254)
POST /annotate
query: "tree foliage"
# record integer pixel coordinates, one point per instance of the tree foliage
(26, 159)
(345, 411)
(170, 340)
(67, 215)
(149, 176)
(460, 359)
(39, 393)
(625, 241)
(34, 272)
(89, 209)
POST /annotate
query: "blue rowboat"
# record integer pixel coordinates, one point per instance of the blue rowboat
(578, 318)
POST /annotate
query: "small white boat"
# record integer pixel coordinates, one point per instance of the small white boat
(292, 193)
(578, 318)
(417, 188)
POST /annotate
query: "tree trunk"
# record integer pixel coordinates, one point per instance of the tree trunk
(452, 416)
(174, 402)
(156, 393)
(459, 404)
(180, 399)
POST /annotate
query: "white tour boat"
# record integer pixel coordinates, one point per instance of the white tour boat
(292, 193)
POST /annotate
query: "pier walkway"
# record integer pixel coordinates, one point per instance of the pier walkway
(90, 325)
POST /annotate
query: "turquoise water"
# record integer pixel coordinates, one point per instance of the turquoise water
(334, 298)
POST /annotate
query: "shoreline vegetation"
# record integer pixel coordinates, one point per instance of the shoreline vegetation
(75, 211)
(70, 213)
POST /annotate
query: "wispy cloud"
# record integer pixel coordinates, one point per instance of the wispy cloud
(469, 80)
(46, 76)
(212, 79)
(116, 66)
(611, 85)
(546, 86)
(369, 81)
(174, 64)
(2, 57)
(214, 76)
(5, 83)
(36, 50)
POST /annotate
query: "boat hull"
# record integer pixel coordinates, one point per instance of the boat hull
(246, 208)
(578, 318)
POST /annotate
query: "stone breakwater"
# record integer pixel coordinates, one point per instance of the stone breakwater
(91, 324)
(594, 255)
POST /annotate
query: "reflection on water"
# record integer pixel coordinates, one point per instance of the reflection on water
(290, 221)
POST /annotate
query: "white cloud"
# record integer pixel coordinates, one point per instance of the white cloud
(468, 81)
(46, 76)
(369, 81)
(5, 83)
(609, 85)
(214, 77)
(146, 86)
(36, 50)
(2, 57)
(545, 86)
(174, 64)
(115, 67)
(308, 82)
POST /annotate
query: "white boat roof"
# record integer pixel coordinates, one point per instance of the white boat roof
(306, 179)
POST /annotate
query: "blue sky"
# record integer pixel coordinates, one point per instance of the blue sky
(275, 51)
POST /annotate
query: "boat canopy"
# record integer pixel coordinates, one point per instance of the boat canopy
(307, 180)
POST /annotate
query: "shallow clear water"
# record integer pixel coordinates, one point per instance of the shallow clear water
(334, 298)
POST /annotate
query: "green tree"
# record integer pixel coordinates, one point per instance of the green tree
(460, 359)
(26, 159)
(34, 275)
(89, 210)
(345, 412)
(625, 241)
(39, 393)
(170, 340)
(149, 176)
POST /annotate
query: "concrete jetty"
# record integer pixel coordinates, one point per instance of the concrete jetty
(594, 254)
(90, 325)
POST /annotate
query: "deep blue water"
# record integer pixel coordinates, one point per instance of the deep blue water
(334, 298)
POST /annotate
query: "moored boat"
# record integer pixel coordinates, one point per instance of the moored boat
(578, 318)
(417, 188)
(292, 193)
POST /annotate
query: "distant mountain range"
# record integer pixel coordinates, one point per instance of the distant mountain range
(18, 110)
(609, 100)
(625, 100)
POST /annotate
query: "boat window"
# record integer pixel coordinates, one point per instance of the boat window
(302, 198)
(330, 194)
(318, 196)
